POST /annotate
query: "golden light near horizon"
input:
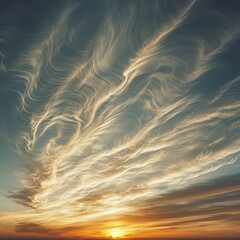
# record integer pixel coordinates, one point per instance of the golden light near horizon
(116, 233)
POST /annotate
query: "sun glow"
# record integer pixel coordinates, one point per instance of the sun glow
(116, 233)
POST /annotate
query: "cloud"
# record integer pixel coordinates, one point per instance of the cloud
(33, 228)
(123, 117)
(215, 187)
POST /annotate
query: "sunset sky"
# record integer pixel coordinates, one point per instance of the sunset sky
(119, 119)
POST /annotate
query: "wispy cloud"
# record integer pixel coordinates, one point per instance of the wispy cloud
(125, 120)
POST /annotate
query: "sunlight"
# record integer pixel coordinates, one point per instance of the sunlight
(115, 233)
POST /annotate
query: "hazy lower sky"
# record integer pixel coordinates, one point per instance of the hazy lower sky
(120, 119)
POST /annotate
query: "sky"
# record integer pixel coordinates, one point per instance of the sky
(119, 119)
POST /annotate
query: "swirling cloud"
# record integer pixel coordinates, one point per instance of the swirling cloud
(126, 118)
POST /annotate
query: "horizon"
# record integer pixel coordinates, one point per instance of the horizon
(77, 238)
